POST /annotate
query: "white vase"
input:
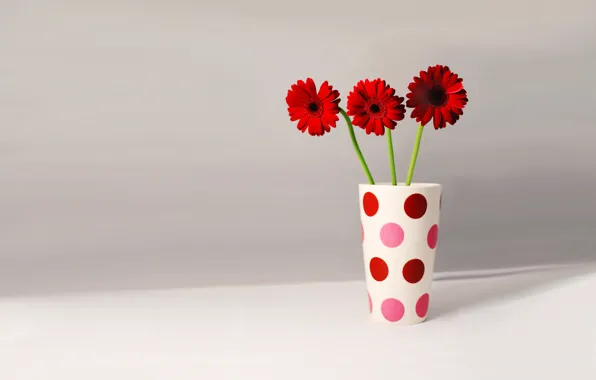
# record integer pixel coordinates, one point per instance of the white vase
(400, 227)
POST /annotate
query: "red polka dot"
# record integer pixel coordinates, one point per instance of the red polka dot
(413, 271)
(415, 206)
(392, 309)
(370, 204)
(433, 236)
(422, 305)
(369, 304)
(378, 268)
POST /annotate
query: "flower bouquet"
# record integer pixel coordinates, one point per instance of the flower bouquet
(400, 221)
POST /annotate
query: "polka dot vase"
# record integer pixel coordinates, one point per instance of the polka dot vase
(400, 228)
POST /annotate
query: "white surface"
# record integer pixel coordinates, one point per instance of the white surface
(530, 326)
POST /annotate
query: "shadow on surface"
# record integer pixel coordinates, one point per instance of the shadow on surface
(459, 294)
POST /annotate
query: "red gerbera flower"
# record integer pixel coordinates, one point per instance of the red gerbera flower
(316, 111)
(437, 94)
(374, 106)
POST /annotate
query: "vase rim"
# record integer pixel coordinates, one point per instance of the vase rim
(402, 184)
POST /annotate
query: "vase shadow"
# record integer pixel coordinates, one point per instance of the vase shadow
(451, 297)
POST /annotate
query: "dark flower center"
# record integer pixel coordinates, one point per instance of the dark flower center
(313, 107)
(437, 96)
(374, 108)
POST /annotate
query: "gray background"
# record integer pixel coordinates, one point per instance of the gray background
(146, 144)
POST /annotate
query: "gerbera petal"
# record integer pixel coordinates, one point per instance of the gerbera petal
(379, 128)
(415, 116)
(297, 97)
(357, 106)
(394, 101)
(302, 124)
(370, 124)
(296, 113)
(301, 88)
(356, 101)
(389, 123)
(420, 111)
(417, 96)
(457, 101)
(333, 104)
(360, 87)
(310, 87)
(391, 103)
(352, 103)
(457, 110)
(364, 95)
(388, 93)
(324, 91)
(380, 87)
(370, 88)
(449, 79)
(328, 120)
(360, 93)
(456, 87)
(427, 116)
(446, 115)
(332, 112)
(438, 74)
(315, 126)
(438, 119)
(411, 103)
(395, 115)
(361, 120)
(461, 95)
(412, 86)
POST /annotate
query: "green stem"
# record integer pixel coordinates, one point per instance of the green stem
(356, 147)
(414, 155)
(391, 157)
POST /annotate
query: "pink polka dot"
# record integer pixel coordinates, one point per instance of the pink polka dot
(393, 310)
(422, 305)
(392, 235)
(369, 304)
(433, 235)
